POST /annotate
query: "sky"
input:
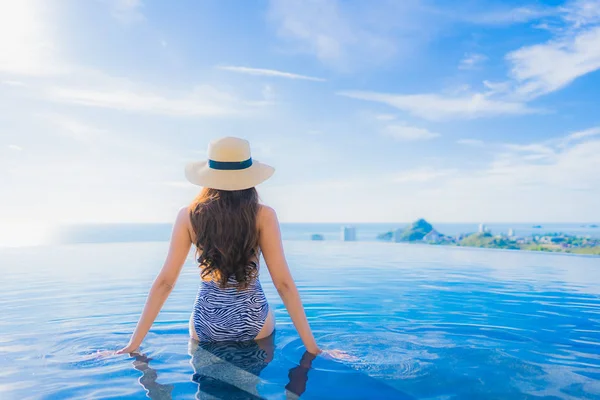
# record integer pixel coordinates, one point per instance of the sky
(472, 111)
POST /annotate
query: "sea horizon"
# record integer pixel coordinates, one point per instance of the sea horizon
(330, 231)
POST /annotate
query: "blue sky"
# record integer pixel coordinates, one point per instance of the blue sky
(370, 111)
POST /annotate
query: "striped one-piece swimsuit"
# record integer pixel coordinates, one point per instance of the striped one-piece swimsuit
(228, 314)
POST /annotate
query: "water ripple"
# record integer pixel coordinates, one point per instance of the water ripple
(420, 322)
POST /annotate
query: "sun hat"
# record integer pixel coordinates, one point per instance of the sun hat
(229, 166)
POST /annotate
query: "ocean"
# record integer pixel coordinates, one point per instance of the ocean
(107, 233)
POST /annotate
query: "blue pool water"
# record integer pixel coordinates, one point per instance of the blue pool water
(423, 322)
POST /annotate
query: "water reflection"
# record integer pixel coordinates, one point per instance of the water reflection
(227, 370)
(148, 380)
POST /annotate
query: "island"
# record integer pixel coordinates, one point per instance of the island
(317, 236)
(385, 236)
(422, 231)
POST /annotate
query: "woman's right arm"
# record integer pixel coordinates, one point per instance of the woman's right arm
(272, 249)
(165, 281)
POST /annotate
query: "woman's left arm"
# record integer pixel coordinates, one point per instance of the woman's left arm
(179, 249)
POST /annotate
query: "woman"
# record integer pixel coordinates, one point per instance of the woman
(230, 229)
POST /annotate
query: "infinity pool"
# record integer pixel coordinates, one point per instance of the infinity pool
(422, 322)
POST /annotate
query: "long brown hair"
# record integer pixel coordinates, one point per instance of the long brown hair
(226, 235)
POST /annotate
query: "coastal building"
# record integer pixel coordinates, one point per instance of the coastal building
(433, 236)
(482, 228)
(348, 234)
(511, 232)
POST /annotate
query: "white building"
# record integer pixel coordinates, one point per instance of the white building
(482, 228)
(511, 232)
(348, 234)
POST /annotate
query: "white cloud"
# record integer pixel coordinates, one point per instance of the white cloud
(579, 135)
(537, 152)
(535, 70)
(74, 128)
(583, 134)
(13, 83)
(544, 68)
(127, 11)
(27, 44)
(471, 142)
(203, 101)
(424, 174)
(269, 72)
(538, 181)
(440, 106)
(472, 61)
(538, 148)
(507, 16)
(385, 117)
(28, 48)
(572, 168)
(569, 162)
(582, 12)
(319, 27)
(268, 93)
(496, 87)
(93, 135)
(547, 150)
(521, 183)
(408, 133)
(347, 35)
(511, 188)
(178, 184)
(14, 147)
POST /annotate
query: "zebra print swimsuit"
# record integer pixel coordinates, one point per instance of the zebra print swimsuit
(228, 314)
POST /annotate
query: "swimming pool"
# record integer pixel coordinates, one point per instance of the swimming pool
(422, 321)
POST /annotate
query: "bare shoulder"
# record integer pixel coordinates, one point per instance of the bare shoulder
(183, 215)
(266, 215)
(183, 220)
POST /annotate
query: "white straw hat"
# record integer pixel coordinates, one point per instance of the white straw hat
(229, 166)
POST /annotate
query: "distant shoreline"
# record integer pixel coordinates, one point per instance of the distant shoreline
(421, 244)
(423, 232)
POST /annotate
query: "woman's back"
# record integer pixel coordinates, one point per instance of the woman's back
(229, 310)
(229, 228)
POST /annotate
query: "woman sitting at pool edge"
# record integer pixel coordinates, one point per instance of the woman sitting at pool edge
(230, 229)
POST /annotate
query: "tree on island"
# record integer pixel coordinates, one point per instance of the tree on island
(485, 239)
(416, 231)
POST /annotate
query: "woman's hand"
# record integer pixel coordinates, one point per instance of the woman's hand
(338, 355)
(130, 348)
(315, 351)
